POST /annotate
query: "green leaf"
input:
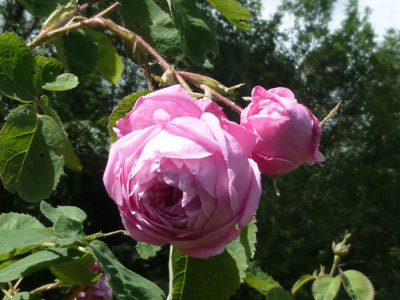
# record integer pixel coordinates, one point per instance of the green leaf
(78, 52)
(31, 154)
(326, 287)
(198, 39)
(357, 285)
(259, 280)
(196, 279)
(68, 228)
(16, 68)
(7, 263)
(12, 221)
(146, 18)
(278, 293)
(302, 281)
(46, 70)
(71, 159)
(25, 296)
(41, 8)
(124, 107)
(233, 12)
(124, 283)
(109, 63)
(37, 261)
(54, 213)
(63, 82)
(77, 271)
(17, 241)
(146, 250)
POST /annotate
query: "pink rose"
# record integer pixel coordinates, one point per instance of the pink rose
(181, 175)
(98, 291)
(288, 133)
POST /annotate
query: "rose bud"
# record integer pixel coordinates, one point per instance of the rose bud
(288, 133)
(182, 176)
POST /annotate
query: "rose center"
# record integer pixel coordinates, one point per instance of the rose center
(166, 195)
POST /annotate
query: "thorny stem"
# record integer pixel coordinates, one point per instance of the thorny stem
(46, 35)
(132, 39)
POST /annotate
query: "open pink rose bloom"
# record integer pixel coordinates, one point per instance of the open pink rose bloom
(288, 133)
(180, 173)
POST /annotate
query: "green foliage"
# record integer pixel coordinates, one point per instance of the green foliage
(70, 158)
(278, 293)
(18, 241)
(25, 296)
(19, 233)
(357, 285)
(41, 8)
(124, 283)
(302, 281)
(16, 68)
(326, 287)
(194, 278)
(31, 149)
(78, 51)
(146, 18)
(37, 261)
(46, 71)
(259, 280)
(198, 38)
(233, 12)
(109, 63)
(54, 213)
(12, 221)
(124, 107)
(63, 82)
(66, 228)
(77, 271)
(146, 250)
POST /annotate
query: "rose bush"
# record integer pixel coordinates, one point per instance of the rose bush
(180, 173)
(288, 133)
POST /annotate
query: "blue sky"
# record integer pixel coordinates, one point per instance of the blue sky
(385, 13)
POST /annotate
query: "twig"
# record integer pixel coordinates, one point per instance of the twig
(108, 10)
(331, 114)
(47, 34)
(46, 287)
(114, 232)
(85, 5)
(17, 283)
